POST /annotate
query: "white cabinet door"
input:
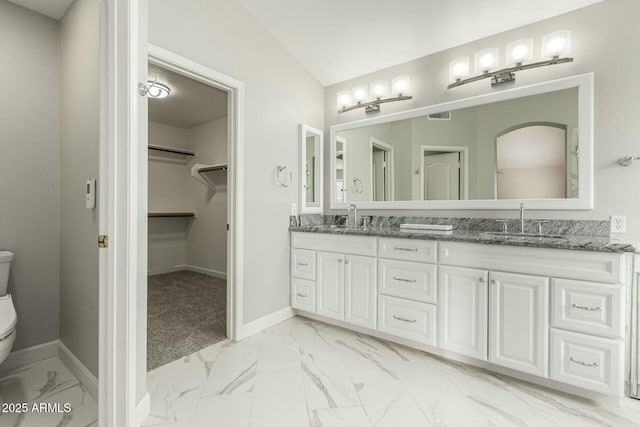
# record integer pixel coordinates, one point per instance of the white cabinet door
(360, 290)
(519, 322)
(330, 285)
(462, 324)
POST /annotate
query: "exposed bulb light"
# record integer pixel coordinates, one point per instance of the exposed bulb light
(360, 93)
(458, 69)
(379, 89)
(486, 60)
(519, 51)
(157, 90)
(400, 85)
(556, 44)
(344, 99)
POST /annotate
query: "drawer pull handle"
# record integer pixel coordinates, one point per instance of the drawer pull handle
(303, 295)
(588, 365)
(583, 307)
(397, 248)
(303, 264)
(402, 319)
(400, 279)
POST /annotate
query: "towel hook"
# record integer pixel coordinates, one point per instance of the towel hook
(628, 160)
(279, 171)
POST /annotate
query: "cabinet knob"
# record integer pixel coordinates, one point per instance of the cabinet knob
(481, 280)
(494, 282)
(339, 260)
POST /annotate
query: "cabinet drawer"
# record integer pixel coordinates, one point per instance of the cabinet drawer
(589, 362)
(588, 307)
(303, 264)
(303, 295)
(407, 319)
(408, 249)
(410, 280)
(354, 245)
(581, 265)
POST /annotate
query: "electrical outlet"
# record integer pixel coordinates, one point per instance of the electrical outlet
(618, 223)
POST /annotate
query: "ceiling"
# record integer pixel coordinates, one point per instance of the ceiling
(52, 8)
(190, 103)
(337, 40)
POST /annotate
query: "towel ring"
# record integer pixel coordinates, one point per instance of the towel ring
(357, 185)
(279, 171)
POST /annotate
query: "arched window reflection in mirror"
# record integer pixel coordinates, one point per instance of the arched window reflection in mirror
(536, 161)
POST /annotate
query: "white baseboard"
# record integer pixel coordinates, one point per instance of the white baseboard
(265, 322)
(27, 356)
(38, 353)
(207, 271)
(77, 368)
(142, 410)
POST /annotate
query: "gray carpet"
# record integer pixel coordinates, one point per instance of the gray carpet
(186, 312)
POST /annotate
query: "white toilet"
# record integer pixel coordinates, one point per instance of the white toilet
(8, 317)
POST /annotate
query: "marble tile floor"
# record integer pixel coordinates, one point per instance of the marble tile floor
(46, 382)
(303, 373)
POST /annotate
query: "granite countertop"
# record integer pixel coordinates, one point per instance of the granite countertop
(577, 242)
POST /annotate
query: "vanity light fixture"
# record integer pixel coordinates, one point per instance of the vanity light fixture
(556, 48)
(370, 97)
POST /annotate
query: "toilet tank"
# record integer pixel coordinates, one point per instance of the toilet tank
(5, 264)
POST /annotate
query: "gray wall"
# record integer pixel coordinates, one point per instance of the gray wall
(29, 190)
(79, 139)
(601, 40)
(279, 94)
(207, 236)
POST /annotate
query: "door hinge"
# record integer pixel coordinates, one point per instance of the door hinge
(227, 227)
(103, 241)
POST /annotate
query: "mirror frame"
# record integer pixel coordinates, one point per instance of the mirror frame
(584, 201)
(304, 130)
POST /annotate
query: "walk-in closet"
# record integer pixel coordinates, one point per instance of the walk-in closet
(187, 245)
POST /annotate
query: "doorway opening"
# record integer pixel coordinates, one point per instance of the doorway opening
(188, 137)
(381, 170)
(444, 172)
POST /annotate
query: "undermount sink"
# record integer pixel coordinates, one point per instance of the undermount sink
(522, 235)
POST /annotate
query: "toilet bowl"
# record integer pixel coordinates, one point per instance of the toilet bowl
(8, 317)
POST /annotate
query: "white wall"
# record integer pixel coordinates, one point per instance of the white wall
(600, 43)
(79, 149)
(207, 237)
(279, 94)
(168, 176)
(29, 169)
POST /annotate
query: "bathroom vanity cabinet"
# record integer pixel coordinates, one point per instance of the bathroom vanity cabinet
(551, 316)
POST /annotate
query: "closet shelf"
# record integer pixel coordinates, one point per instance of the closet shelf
(210, 175)
(171, 150)
(172, 215)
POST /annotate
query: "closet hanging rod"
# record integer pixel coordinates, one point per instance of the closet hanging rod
(213, 168)
(171, 150)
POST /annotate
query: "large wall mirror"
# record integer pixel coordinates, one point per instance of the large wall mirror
(310, 167)
(531, 145)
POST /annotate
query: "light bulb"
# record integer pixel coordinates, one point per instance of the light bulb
(400, 85)
(519, 52)
(460, 69)
(555, 45)
(379, 88)
(360, 93)
(486, 59)
(344, 99)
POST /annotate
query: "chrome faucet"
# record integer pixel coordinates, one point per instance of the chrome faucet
(522, 218)
(355, 214)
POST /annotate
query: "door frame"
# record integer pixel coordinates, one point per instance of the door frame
(235, 150)
(464, 167)
(389, 170)
(122, 27)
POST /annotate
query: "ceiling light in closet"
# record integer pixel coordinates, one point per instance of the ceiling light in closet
(157, 90)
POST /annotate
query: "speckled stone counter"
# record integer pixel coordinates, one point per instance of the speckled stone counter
(597, 243)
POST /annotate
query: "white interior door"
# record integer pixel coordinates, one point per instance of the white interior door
(442, 176)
